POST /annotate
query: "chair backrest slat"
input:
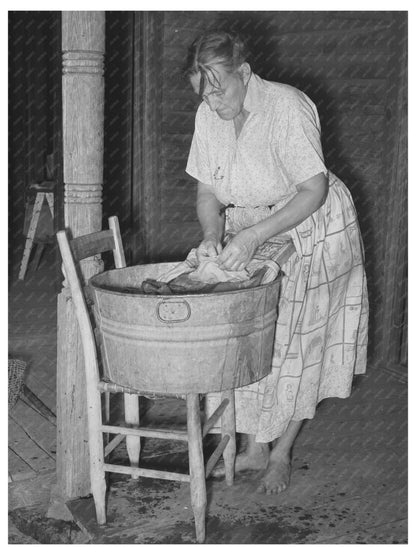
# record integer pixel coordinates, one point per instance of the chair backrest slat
(92, 244)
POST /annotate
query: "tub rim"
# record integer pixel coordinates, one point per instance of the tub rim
(111, 288)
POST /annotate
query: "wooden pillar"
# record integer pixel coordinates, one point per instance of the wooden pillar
(83, 40)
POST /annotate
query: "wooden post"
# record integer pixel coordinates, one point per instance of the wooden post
(83, 42)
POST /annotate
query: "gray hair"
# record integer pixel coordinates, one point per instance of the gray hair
(218, 47)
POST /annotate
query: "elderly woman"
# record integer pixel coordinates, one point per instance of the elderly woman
(256, 147)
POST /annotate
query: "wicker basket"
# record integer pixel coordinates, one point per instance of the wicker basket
(16, 374)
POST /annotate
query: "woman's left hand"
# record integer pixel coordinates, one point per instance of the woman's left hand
(239, 251)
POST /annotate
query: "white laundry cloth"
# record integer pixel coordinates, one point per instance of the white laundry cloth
(208, 270)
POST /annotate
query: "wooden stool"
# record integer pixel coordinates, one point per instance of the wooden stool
(42, 191)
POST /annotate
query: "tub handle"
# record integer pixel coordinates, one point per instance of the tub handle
(173, 311)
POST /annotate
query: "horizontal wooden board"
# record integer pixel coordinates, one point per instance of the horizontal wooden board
(36, 426)
(43, 389)
(31, 491)
(183, 232)
(284, 22)
(180, 98)
(326, 51)
(176, 153)
(193, 21)
(17, 466)
(342, 42)
(186, 185)
(182, 210)
(27, 449)
(178, 121)
(174, 170)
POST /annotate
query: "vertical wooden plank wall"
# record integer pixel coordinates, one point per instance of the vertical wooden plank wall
(179, 230)
(119, 150)
(147, 156)
(393, 333)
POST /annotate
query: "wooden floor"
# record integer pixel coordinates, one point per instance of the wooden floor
(32, 339)
(32, 442)
(349, 476)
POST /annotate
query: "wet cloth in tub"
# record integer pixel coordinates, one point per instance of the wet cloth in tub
(205, 276)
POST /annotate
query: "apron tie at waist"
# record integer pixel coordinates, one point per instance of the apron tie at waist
(224, 208)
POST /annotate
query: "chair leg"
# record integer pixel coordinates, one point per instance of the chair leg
(228, 428)
(196, 465)
(96, 450)
(107, 409)
(131, 412)
(107, 413)
(98, 489)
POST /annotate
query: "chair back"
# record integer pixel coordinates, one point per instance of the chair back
(72, 251)
(99, 242)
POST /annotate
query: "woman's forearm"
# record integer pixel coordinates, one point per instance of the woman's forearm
(311, 196)
(208, 212)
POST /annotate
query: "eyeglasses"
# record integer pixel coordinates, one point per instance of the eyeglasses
(217, 93)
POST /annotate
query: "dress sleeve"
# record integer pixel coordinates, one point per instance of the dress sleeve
(299, 141)
(198, 161)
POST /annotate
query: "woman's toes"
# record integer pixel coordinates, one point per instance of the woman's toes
(276, 478)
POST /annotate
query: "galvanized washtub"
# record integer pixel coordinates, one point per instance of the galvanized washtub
(193, 343)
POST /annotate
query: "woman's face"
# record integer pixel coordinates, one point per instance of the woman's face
(226, 97)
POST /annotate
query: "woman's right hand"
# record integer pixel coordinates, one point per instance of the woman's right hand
(208, 247)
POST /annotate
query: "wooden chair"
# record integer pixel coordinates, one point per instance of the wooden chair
(86, 246)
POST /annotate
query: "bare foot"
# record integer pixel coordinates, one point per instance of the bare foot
(277, 476)
(254, 458)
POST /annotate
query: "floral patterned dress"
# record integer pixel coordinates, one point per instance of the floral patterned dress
(321, 333)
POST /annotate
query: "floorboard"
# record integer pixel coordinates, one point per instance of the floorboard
(37, 427)
(27, 449)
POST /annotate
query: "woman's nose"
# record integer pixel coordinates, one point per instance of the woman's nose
(213, 103)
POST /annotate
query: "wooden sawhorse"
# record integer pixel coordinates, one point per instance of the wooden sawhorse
(44, 191)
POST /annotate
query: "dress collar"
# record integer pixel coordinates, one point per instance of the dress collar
(255, 97)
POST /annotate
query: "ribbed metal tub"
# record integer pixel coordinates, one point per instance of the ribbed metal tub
(194, 343)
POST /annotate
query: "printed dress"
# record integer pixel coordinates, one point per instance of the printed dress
(321, 333)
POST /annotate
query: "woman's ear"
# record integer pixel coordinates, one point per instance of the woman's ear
(245, 72)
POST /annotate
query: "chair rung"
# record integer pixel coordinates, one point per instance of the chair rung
(111, 387)
(109, 448)
(146, 472)
(212, 420)
(158, 433)
(212, 461)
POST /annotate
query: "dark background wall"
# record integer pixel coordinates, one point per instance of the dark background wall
(351, 64)
(34, 111)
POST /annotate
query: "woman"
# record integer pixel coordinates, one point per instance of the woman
(257, 147)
